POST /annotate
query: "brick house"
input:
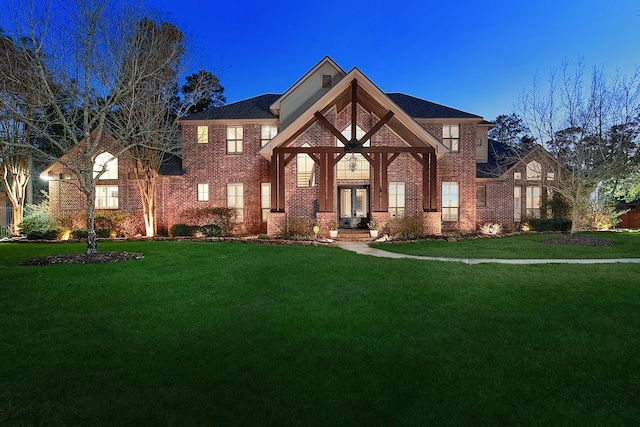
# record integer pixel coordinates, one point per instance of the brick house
(333, 147)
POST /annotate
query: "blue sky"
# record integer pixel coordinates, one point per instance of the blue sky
(471, 55)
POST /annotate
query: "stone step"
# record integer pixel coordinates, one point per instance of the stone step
(354, 235)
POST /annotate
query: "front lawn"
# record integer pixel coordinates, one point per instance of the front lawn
(244, 334)
(524, 246)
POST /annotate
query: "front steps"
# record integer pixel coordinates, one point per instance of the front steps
(353, 235)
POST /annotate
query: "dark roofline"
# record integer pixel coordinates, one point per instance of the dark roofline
(259, 107)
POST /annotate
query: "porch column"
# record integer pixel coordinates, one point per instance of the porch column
(277, 181)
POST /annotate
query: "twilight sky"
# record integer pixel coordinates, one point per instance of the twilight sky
(472, 55)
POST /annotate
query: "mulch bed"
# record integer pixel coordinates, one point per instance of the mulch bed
(84, 258)
(578, 240)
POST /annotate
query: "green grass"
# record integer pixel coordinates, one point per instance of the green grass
(525, 246)
(241, 334)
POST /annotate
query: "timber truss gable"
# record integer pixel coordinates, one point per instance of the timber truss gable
(355, 90)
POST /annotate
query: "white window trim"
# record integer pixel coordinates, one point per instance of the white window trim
(451, 204)
(203, 192)
(104, 197)
(202, 134)
(235, 142)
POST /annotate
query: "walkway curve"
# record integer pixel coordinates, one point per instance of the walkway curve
(363, 248)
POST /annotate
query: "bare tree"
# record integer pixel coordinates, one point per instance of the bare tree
(148, 115)
(15, 135)
(82, 46)
(583, 121)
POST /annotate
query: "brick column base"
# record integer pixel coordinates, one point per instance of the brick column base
(323, 220)
(275, 222)
(382, 218)
(432, 223)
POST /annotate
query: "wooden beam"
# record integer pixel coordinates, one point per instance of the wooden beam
(327, 124)
(377, 126)
(354, 108)
(433, 193)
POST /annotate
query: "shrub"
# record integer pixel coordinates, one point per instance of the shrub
(79, 233)
(548, 224)
(39, 224)
(211, 230)
(105, 233)
(51, 234)
(407, 227)
(183, 230)
(225, 218)
(297, 228)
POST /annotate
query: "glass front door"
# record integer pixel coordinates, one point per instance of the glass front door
(354, 207)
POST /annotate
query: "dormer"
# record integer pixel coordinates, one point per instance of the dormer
(306, 91)
(482, 141)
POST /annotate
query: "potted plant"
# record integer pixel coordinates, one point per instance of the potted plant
(373, 228)
(333, 229)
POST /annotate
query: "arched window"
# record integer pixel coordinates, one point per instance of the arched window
(353, 165)
(108, 163)
(534, 171)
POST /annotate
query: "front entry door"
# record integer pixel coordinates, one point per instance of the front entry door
(354, 206)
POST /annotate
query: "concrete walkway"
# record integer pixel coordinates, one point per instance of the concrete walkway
(364, 249)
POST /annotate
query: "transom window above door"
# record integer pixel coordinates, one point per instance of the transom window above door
(353, 165)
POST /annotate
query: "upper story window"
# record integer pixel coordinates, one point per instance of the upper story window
(107, 164)
(234, 139)
(551, 176)
(326, 81)
(451, 137)
(353, 165)
(534, 171)
(517, 175)
(267, 133)
(305, 169)
(203, 134)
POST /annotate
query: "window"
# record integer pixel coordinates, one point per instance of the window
(396, 199)
(533, 201)
(265, 200)
(203, 192)
(478, 142)
(234, 139)
(517, 175)
(517, 203)
(450, 201)
(267, 133)
(534, 171)
(481, 196)
(451, 137)
(107, 164)
(203, 134)
(235, 199)
(353, 165)
(550, 176)
(305, 168)
(106, 197)
(326, 81)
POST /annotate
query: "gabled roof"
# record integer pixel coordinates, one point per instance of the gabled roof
(423, 109)
(252, 108)
(500, 158)
(259, 108)
(372, 99)
(326, 61)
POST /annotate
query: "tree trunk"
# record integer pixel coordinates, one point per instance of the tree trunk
(575, 218)
(92, 241)
(17, 218)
